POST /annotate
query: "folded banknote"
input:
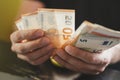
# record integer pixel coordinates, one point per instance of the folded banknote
(58, 24)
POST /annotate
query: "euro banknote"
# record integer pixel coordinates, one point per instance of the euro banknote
(59, 27)
(94, 37)
(58, 24)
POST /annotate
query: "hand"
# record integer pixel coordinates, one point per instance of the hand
(31, 46)
(81, 61)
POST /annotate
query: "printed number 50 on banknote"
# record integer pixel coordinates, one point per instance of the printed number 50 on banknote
(58, 24)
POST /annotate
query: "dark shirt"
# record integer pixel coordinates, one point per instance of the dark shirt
(104, 12)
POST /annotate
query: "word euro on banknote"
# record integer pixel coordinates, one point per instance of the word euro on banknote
(58, 24)
(94, 38)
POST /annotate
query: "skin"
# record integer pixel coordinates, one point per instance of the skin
(34, 47)
(82, 61)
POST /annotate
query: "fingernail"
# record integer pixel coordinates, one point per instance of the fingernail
(39, 33)
(67, 48)
(45, 40)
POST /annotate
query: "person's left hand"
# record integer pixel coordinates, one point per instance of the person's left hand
(82, 61)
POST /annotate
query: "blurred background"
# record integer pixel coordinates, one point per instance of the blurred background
(8, 11)
(11, 68)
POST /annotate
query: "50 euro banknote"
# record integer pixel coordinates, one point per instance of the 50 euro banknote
(58, 24)
(94, 38)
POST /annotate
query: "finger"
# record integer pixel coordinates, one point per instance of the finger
(40, 52)
(64, 63)
(20, 35)
(78, 64)
(92, 58)
(40, 60)
(77, 69)
(22, 57)
(30, 45)
(73, 68)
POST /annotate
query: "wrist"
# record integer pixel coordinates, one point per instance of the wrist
(115, 51)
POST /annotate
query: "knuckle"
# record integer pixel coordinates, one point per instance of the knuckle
(106, 61)
(51, 46)
(13, 48)
(96, 60)
(46, 40)
(103, 61)
(93, 60)
(21, 49)
(13, 35)
(43, 41)
(18, 48)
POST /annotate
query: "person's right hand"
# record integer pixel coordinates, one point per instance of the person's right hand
(31, 46)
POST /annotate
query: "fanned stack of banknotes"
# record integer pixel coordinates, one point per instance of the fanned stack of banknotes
(59, 26)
